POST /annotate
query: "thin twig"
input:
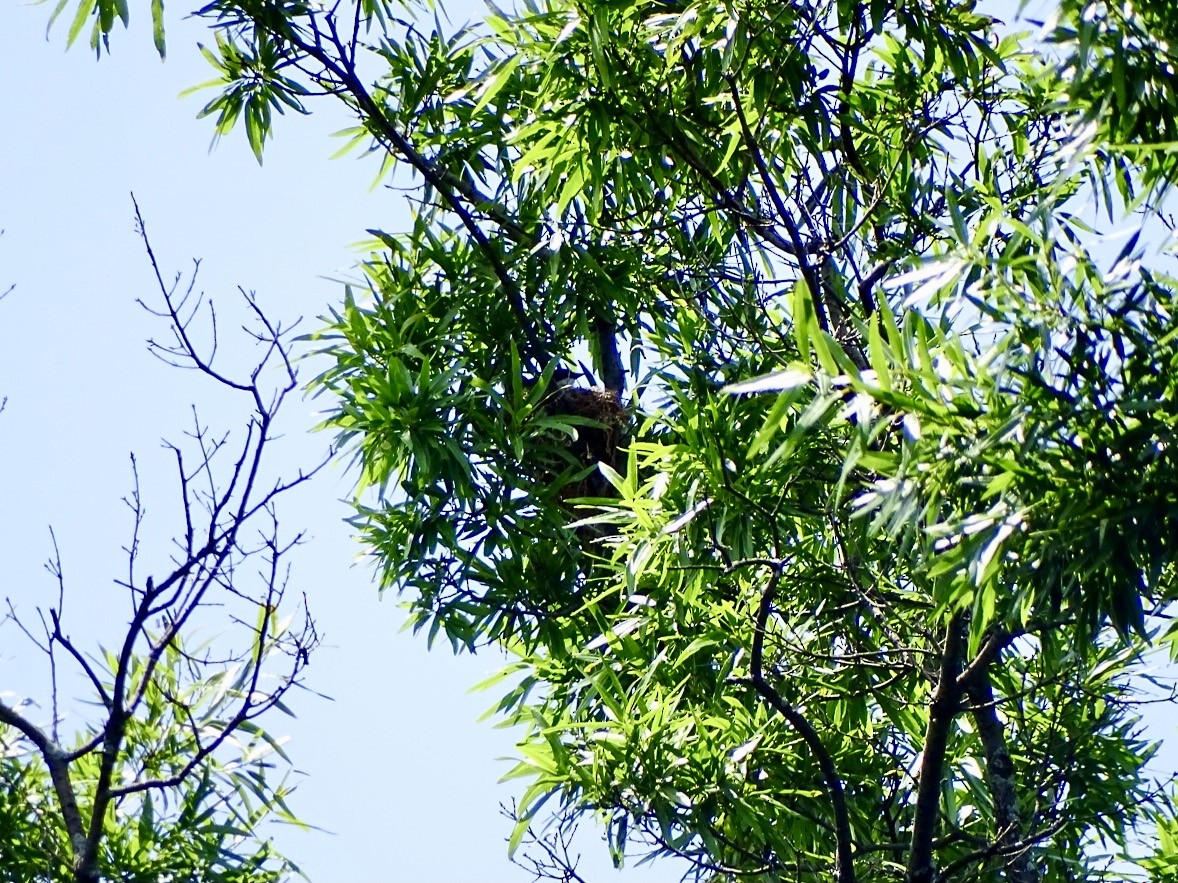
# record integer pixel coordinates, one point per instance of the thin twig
(844, 864)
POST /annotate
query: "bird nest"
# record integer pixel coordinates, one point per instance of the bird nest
(601, 431)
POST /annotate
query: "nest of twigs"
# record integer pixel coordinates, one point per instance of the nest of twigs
(596, 441)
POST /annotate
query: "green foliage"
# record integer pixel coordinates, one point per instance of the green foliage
(104, 14)
(1121, 59)
(254, 88)
(863, 585)
(1163, 865)
(204, 826)
(25, 806)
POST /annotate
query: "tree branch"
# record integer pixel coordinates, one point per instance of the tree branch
(613, 375)
(1000, 777)
(943, 709)
(457, 193)
(844, 861)
(216, 514)
(59, 775)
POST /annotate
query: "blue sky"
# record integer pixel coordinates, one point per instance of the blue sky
(397, 765)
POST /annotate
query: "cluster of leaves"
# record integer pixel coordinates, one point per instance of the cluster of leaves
(949, 448)
(205, 828)
(1127, 54)
(178, 812)
(887, 622)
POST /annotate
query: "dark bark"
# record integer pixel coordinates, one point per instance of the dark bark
(613, 375)
(944, 708)
(1020, 867)
(59, 775)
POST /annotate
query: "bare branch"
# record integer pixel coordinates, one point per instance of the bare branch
(548, 856)
(844, 865)
(222, 491)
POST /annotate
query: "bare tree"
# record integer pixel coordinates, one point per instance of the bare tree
(171, 774)
(549, 854)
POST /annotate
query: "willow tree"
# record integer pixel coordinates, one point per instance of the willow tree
(767, 379)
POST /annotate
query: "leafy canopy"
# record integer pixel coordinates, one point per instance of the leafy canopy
(851, 563)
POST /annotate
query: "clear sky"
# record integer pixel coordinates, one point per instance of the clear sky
(397, 765)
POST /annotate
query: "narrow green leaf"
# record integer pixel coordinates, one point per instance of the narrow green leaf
(493, 86)
(772, 423)
(157, 27)
(877, 353)
(84, 9)
(802, 310)
(57, 10)
(820, 341)
(598, 33)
